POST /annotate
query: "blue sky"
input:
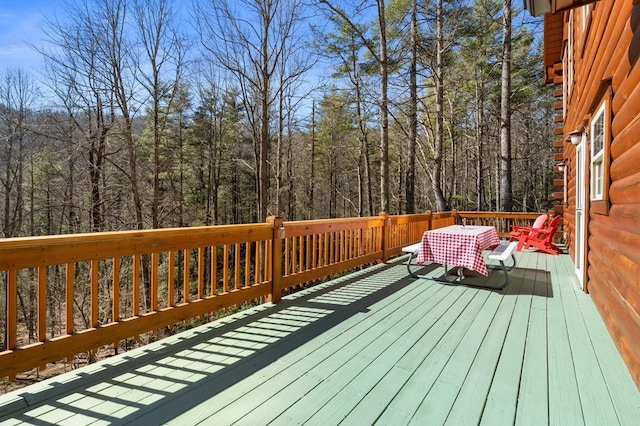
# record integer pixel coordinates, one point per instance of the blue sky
(20, 25)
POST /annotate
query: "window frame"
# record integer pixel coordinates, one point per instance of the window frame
(585, 21)
(570, 54)
(596, 161)
(600, 162)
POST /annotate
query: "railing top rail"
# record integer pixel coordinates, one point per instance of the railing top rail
(27, 252)
(408, 218)
(500, 215)
(296, 228)
(358, 220)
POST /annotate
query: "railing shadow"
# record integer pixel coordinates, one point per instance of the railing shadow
(171, 376)
(157, 382)
(524, 281)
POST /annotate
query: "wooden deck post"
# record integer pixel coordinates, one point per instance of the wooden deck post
(386, 235)
(276, 258)
(429, 223)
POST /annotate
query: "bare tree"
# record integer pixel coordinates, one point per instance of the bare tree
(160, 70)
(115, 49)
(381, 58)
(80, 78)
(249, 39)
(18, 94)
(347, 44)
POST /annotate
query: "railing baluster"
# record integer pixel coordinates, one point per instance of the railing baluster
(200, 273)
(42, 303)
(332, 248)
(247, 261)
(287, 248)
(171, 259)
(314, 245)
(12, 309)
(115, 290)
(304, 253)
(95, 293)
(236, 268)
(69, 298)
(225, 269)
(325, 260)
(268, 266)
(256, 273)
(135, 286)
(153, 305)
(12, 313)
(214, 270)
(186, 296)
(294, 255)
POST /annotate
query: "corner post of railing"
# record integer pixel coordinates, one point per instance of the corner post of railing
(455, 215)
(429, 213)
(276, 258)
(386, 235)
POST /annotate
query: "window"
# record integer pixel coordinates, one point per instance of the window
(585, 12)
(599, 148)
(597, 155)
(585, 23)
(570, 57)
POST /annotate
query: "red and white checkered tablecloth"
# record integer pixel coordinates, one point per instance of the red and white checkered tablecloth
(458, 245)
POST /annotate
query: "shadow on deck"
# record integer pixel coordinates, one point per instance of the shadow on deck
(371, 347)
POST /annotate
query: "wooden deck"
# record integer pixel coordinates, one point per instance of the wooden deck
(372, 347)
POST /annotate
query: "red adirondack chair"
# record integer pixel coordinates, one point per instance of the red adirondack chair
(542, 239)
(519, 232)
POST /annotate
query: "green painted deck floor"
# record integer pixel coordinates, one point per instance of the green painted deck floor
(371, 347)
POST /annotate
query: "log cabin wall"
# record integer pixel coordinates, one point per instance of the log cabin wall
(604, 51)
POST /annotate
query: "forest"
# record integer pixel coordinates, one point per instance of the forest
(158, 113)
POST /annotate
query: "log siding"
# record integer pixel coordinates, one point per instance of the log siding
(611, 43)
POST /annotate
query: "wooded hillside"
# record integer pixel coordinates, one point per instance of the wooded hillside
(155, 113)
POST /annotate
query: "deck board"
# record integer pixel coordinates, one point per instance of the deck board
(470, 401)
(501, 402)
(597, 408)
(533, 393)
(355, 355)
(564, 400)
(377, 356)
(441, 397)
(371, 347)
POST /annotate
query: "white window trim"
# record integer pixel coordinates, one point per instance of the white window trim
(571, 55)
(597, 158)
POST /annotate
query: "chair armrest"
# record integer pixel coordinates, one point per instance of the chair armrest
(538, 233)
(522, 228)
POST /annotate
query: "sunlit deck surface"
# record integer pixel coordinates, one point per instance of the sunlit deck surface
(371, 347)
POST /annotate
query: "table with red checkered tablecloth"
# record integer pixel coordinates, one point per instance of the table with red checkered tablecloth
(458, 245)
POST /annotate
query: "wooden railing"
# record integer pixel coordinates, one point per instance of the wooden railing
(65, 295)
(503, 222)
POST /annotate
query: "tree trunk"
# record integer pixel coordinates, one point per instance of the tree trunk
(479, 148)
(439, 80)
(413, 112)
(312, 176)
(505, 115)
(384, 110)
(279, 148)
(265, 143)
